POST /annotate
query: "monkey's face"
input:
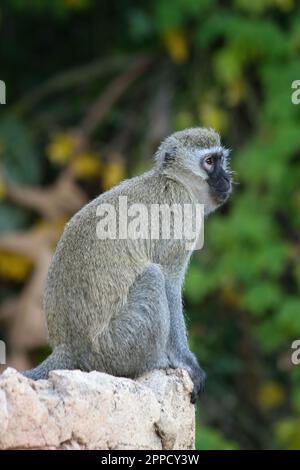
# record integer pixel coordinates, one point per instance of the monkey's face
(195, 156)
(214, 164)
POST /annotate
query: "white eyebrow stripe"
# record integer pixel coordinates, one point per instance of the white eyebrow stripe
(210, 150)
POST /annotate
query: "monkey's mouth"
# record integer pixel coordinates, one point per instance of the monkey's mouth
(220, 190)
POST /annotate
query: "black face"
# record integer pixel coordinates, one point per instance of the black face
(219, 180)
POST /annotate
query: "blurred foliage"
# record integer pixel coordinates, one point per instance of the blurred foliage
(223, 64)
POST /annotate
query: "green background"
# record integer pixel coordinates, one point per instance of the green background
(222, 64)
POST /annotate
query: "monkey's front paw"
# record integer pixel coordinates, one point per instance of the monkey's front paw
(198, 378)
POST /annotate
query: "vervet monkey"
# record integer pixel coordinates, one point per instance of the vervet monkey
(115, 305)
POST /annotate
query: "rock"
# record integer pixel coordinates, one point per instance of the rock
(80, 410)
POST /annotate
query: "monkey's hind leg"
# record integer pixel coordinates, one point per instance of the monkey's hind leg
(60, 358)
(136, 339)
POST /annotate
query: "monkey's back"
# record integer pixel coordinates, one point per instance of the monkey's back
(89, 278)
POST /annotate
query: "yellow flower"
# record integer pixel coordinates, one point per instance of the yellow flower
(175, 41)
(56, 225)
(227, 65)
(284, 5)
(2, 189)
(183, 120)
(61, 148)
(113, 172)
(287, 431)
(255, 6)
(213, 116)
(14, 267)
(236, 91)
(60, 224)
(271, 395)
(87, 165)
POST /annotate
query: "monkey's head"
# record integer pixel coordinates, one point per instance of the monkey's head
(197, 155)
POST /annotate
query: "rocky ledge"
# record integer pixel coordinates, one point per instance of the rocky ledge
(80, 410)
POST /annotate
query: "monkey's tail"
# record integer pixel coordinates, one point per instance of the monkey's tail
(60, 358)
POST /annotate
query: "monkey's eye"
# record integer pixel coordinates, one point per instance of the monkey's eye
(209, 161)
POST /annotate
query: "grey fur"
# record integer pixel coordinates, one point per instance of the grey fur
(116, 305)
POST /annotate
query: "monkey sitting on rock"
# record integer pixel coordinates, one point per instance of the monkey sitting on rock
(115, 305)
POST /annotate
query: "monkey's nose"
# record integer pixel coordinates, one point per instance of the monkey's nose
(225, 184)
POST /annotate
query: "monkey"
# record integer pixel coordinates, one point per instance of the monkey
(115, 305)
